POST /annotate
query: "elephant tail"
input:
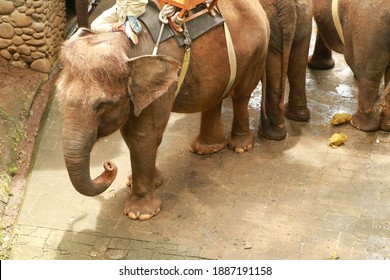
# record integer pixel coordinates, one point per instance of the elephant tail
(287, 18)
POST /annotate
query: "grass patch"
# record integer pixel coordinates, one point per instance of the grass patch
(5, 193)
(5, 116)
(12, 169)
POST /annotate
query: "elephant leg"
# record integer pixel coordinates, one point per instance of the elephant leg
(82, 13)
(241, 138)
(366, 118)
(158, 179)
(272, 125)
(211, 137)
(143, 136)
(385, 103)
(321, 59)
(369, 66)
(296, 108)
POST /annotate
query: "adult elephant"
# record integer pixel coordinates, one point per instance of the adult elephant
(291, 25)
(361, 31)
(109, 84)
(80, 7)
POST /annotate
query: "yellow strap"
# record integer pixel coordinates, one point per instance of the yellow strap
(232, 61)
(184, 68)
(336, 19)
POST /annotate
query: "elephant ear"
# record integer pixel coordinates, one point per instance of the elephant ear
(151, 77)
(82, 32)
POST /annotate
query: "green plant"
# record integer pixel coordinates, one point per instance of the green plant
(12, 169)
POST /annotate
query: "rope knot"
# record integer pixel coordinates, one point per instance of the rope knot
(169, 11)
(166, 12)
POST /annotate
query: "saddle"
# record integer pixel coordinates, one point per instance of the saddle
(197, 17)
(186, 7)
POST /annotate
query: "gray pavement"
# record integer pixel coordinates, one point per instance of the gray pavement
(292, 199)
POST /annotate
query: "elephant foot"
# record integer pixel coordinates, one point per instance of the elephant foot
(157, 181)
(385, 125)
(241, 143)
(200, 148)
(142, 208)
(385, 120)
(321, 63)
(299, 113)
(365, 121)
(271, 132)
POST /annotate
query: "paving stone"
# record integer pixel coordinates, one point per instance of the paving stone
(140, 255)
(161, 256)
(116, 254)
(68, 247)
(54, 239)
(119, 243)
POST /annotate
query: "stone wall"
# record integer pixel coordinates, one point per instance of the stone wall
(31, 32)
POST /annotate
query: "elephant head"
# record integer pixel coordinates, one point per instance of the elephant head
(98, 96)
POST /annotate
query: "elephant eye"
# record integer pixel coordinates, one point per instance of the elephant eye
(101, 106)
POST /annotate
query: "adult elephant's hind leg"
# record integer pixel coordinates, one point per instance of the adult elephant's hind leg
(321, 59)
(366, 117)
(296, 108)
(272, 124)
(211, 137)
(385, 103)
(369, 67)
(241, 138)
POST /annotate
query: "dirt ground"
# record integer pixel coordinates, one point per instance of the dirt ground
(24, 94)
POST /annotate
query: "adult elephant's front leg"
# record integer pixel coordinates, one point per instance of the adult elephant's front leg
(211, 137)
(143, 136)
(82, 13)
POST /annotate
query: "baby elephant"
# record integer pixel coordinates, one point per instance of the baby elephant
(108, 84)
(361, 31)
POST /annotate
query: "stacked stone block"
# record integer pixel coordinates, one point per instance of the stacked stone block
(31, 32)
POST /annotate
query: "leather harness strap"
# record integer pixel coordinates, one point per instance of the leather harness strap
(336, 19)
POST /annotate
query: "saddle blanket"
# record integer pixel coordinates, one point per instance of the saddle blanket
(196, 27)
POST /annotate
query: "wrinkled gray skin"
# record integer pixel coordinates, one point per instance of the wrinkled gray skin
(291, 25)
(82, 13)
(366, 30)
(81, 9)
(108, 84)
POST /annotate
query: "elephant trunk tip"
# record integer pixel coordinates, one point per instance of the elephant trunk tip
(109, 166)
(107, 177)
(102, 182)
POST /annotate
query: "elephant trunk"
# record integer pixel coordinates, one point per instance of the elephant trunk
(77, 146)
(82, 13)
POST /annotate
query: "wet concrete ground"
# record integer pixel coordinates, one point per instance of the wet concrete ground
(292, 199)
